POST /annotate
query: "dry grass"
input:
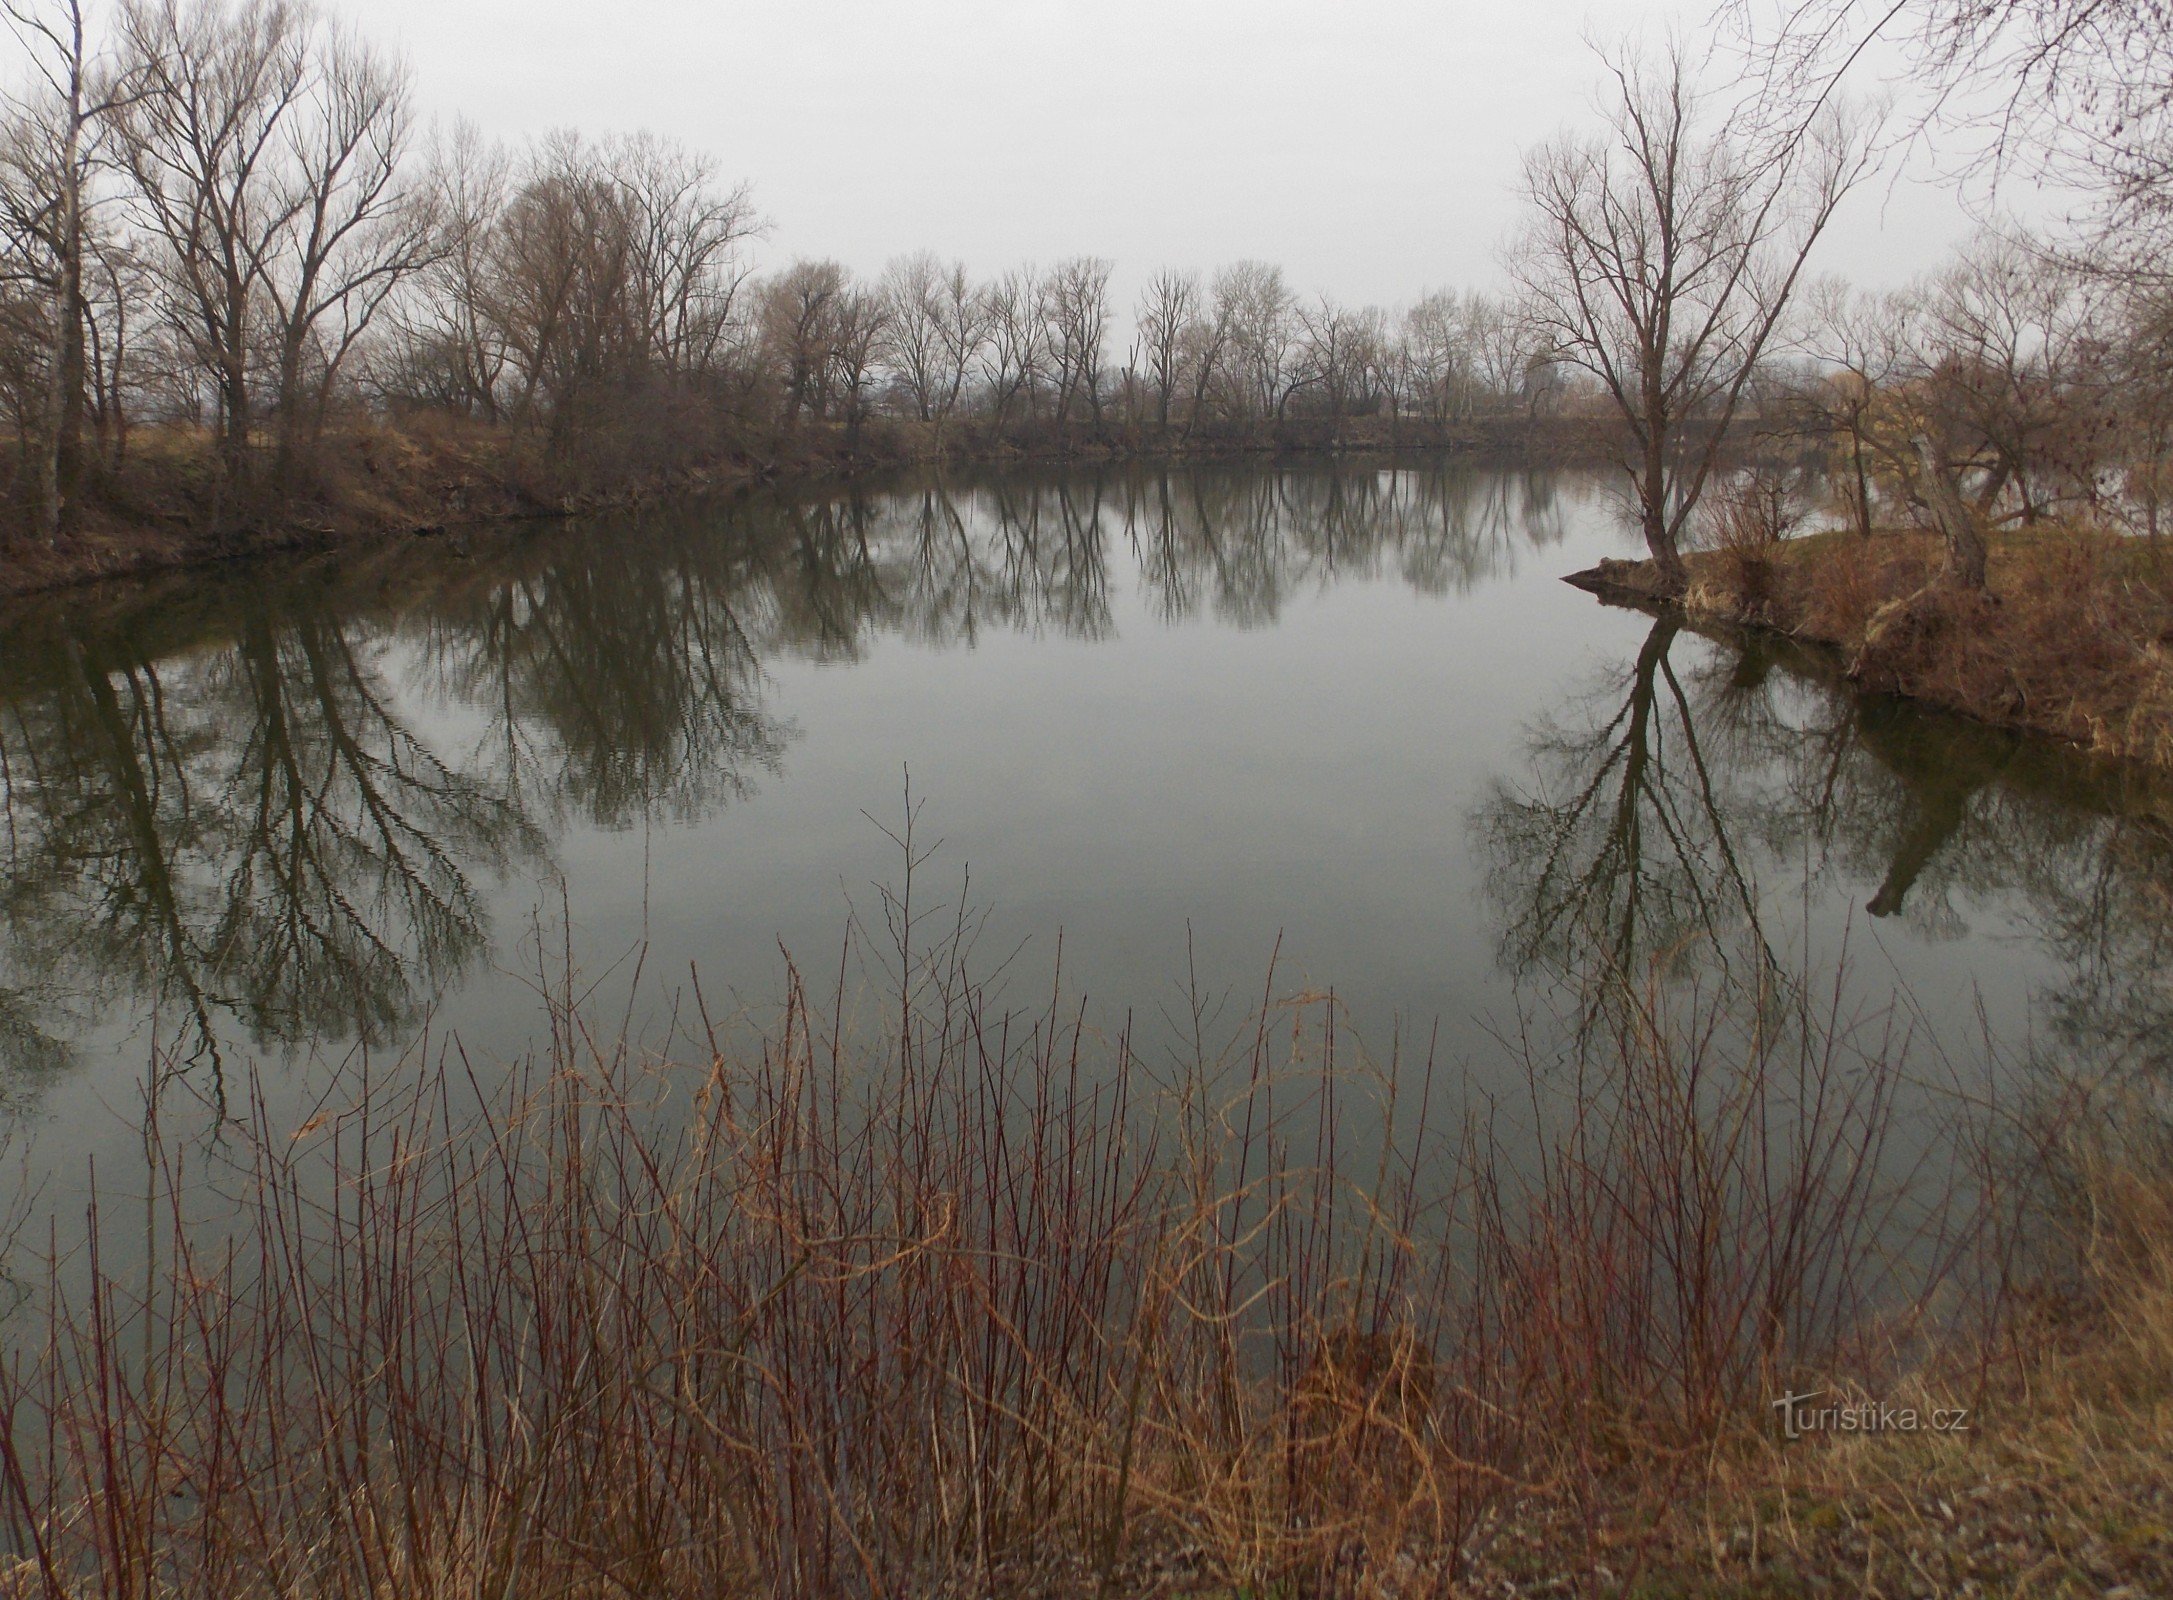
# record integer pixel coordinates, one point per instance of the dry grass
(954, 1299)
(2073, 636)
(2060, 1485)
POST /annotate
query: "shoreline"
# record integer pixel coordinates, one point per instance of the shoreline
(2068, 642)
(443, 484)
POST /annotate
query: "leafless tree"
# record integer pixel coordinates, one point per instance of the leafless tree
(962, 327)
(202, 144)
(358, 227)
(452, 339)
(1437, 363)
(1660, 257)
(687, 230)
(1166, 318)
(857, 330)
(913, 328)
(2081, 90)
(1856, 337)
(1336, 354)
(1013, 356)
(1511, 363)
(800, 312)
(935, 325)
(2013, 339)
(2142, 325)
(48, 149)
(595, 273)
(1260, 312)
(267, 152)
(561, 287)
(1075, 322)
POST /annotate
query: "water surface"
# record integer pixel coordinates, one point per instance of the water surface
(266, 819)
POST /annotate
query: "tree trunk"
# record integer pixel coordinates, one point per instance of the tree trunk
(1863, 486)
(59, 465)
(1667, 561)
(1964, 566)
(1659, 532)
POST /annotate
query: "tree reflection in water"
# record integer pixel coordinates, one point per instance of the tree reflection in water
(275, 800)
(221, 811)
(243, 829)
(1640, 833)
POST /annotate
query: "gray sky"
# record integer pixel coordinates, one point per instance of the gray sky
(1369, 146)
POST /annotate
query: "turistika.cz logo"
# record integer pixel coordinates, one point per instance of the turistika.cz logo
(1800, 1416)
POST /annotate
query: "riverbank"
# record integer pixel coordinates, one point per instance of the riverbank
(430, 474)
(2072, 636)
(956, 1308)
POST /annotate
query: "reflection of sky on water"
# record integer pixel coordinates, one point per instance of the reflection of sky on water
(289, 811)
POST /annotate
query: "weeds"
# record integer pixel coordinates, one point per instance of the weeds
(953, 1298)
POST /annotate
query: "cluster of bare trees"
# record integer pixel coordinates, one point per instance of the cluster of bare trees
(1244, 346)
(1033, 353)
(561, 285)
(219, 219)
(1664, 263)
(1660, 257)
(202, 214)
(2006, 387)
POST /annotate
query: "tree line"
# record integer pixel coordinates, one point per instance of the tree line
(223, 225)
(1664, 264)
(234, 261)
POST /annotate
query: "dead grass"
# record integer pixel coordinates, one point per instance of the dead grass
(2062, 1483)
(920, 1295)
(2073, 636)
(367, 477)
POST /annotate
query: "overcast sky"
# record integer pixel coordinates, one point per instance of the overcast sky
(1370, 146)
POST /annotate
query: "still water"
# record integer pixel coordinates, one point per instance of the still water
(266, 820)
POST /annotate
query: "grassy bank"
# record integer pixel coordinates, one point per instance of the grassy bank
(898, 1290)
(2072, 635)
(166, 506)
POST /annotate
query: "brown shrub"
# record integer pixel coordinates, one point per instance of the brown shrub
(2073, 635)
(1743, 520)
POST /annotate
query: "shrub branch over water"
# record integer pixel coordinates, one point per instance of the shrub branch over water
(906, 1290)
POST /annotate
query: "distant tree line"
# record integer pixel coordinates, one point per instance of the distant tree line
(239, 278)
(223, 230)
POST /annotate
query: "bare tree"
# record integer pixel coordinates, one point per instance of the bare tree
(1437, 360)
(2013, 341)
(2143, 379)
(687, 229)
(1335, 354)
(857, 331)
(202, 143)
(1075, 319)
(355, 227)
(119, 297)
(1977, 396)
(1857, 339)
(452, 340)
(46, 157)
(267, 153)
(800, 312)
(962, 328)
(1168, 311)
(1659, 258)
(2081, 90)
(913, 345)
(1511, 364)
(1260, 311)
(1013, 356)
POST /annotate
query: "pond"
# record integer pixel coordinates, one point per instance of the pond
(1233, 731)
